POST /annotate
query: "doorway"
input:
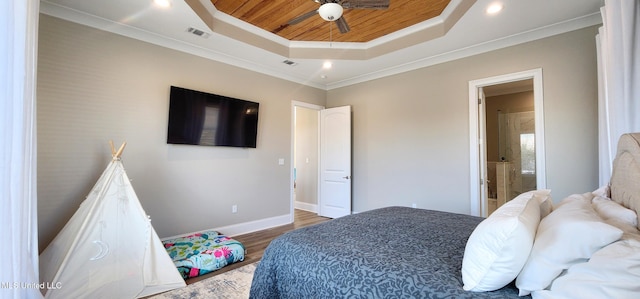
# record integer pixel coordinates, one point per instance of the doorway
(510, 141)
(305, 157)
(321, 160)
(506, 138)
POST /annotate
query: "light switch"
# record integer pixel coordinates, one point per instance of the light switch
(281, 161)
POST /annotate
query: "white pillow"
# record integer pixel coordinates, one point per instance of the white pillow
(603, 191)
(546, 204)
(585, 197)
(628, 231)
(569, 235)
(609, 209)
(612, 272)
(499, 246)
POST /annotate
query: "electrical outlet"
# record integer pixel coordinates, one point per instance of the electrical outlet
(234, 209)
(414, 205)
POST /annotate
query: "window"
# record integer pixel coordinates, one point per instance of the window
(528, 153)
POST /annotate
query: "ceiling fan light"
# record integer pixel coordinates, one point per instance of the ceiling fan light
(330, 11)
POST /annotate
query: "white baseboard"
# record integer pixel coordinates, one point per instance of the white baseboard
(309, 207)
(246, 227)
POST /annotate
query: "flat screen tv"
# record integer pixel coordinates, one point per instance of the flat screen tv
(201, 118)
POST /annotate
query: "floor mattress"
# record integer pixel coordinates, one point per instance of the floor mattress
(204, 252)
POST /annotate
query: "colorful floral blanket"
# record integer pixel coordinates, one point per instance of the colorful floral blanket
(204, 252)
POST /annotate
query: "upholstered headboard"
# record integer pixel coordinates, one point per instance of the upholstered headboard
(625, 179)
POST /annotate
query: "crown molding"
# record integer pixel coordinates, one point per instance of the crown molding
(93, 21)
(531, 35)
(96, 22)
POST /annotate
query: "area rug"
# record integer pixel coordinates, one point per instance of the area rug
(234, 284)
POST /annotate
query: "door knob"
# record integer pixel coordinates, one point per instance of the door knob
(345, 177)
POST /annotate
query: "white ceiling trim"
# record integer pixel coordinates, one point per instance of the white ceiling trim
(150, 37)
(523, 37)
(93, 21)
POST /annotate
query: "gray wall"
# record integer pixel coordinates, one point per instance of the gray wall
(306, 155)
(94, 86)
(411, 131)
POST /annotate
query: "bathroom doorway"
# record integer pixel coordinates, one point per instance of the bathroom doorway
(518, 158)
(510, 141)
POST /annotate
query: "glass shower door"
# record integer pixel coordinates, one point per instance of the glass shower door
(517, 145)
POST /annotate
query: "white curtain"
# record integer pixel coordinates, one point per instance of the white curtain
(18, 213)
(618, 45)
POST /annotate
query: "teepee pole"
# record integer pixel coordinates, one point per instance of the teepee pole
(116, 154)
(119, 153)
(113, 149)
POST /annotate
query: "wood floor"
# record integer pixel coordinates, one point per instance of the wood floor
(256, 242)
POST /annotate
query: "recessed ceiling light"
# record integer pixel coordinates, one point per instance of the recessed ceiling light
(327, 65)
(494, 8)
(163, 3)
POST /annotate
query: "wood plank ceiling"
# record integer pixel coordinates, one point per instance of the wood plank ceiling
(365, 24)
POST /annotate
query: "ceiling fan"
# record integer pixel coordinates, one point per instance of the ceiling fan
(331, 10)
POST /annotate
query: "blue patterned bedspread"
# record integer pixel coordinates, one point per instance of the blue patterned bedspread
(393, 252)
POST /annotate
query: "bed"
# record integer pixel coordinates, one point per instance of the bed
(583, 246)
(203, 252)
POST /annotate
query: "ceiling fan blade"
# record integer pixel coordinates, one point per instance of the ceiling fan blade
(302, 17)
(365, 4)
(342, 25)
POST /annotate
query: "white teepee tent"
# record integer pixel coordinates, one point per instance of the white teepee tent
(108, 249)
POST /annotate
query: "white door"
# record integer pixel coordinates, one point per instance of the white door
(335, 162)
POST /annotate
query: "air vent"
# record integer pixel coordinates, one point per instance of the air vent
(289, 62)
(198, 32)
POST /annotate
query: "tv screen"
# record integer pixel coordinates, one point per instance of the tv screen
(201, 118)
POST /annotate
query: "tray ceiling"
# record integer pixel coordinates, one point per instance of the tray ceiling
(374, 32)
(365, 24)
